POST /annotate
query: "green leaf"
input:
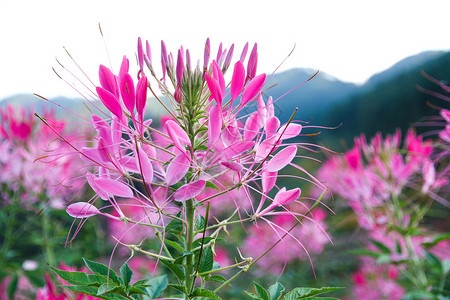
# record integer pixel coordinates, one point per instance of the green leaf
(304, 292)
(92, 291)
(253, 296)
(205, 240)
(174, 245)
(419, 295)
(363, 252)
(157, 286)
(446, 266)
(179, 260)
(382, 247)
(261, 291)
(436, 239)
(12, 286)
(178, 287)
(275, 291)
(178, 270)
(138, 290)
(101, 269)
(200, 223)
(76, 278)
(126, 273)
(97, 280)
(108, 288)
(216, 278)
(398, 247)
(206, 261)
(434, 262)
(198, 292)
(211, 185)
(175, 226)
(384, 259)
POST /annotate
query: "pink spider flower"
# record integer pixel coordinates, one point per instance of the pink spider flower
(206, 150)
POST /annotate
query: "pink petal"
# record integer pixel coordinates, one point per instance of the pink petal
(108, 80)
(114, 187)
(281, 159)
(252, 126)
(293, 130)
(237, 149)
(141, 96)
(140, 53)
(268, 180)
(215, 124)
(103, 129)
(232, 166)
(244, 53)
(180, 67)
(177, 134)
(253, 87)
(270, 108)
(91, 180)
(110, 101)
(238, 80)
(206, 53)
(103, 151)
(189, 191)
(284, 197)
(231, 135)
(177, 168)
(145, 166)
(271, 126)
(130, 164)
(82, 210)
(265, 148)
(227, 62)
(128, 92)
(218, 75)
(214, 88)
(124, 68)
(252, 62)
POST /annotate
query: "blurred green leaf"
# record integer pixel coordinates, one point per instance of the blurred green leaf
(275, 291)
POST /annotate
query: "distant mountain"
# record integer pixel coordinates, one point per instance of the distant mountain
(408, 64)
(391, 100)
(312, 98)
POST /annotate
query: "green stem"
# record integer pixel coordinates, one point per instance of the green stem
(189, 241)
(48, 247)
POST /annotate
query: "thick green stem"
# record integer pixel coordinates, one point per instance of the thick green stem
(189, 241)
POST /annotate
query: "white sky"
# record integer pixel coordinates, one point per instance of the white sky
(350, 40)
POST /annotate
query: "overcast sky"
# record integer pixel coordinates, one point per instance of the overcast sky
(350, 40)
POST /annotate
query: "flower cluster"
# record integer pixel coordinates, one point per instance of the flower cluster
(390, 190)
(371, 174)
(204, 138)
(211, 150)
(34, 164)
